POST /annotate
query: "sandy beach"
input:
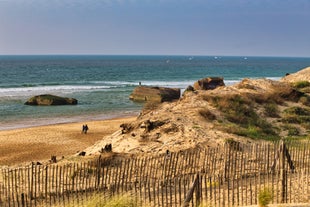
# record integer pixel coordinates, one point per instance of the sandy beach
(22, 146)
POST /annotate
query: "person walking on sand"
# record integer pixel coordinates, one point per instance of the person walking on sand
(84, 129)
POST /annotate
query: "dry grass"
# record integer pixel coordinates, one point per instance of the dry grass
(97, 200)
(207, 114)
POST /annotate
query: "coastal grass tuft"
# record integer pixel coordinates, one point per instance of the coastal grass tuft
(98, 200)
(207, 114)
(297, 115)
(297, 111)
(293, 131)
(271, 110)
(265, 196)
(301, 84)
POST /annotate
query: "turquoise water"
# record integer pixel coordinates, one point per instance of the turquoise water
(102, 84)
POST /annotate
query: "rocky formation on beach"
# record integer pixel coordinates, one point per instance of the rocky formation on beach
(48, 100)
(250, 111)
(155, 94)
(209, 83)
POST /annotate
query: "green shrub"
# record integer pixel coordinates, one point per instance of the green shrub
(271, 110)
(264, 197)
(296, 119)
(297, 111)
(236, 109)
(293, 131)
(297, 115)
(301, 84)
(239, 110)
(253, 132)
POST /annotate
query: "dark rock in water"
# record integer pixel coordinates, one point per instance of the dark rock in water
(155, 94)
(48, 100)
(209, 83)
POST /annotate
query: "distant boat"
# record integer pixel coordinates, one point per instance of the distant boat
(215, 57)
(245, 58)
(190, 58)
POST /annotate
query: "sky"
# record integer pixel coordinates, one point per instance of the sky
(156, 27)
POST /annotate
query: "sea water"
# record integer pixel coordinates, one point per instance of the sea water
(102, 84)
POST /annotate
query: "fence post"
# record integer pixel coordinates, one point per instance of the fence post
(283, 172)
(190, 193)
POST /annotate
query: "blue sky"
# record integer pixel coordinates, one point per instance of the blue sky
(156, 27)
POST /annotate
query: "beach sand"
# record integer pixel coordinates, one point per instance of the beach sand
(26, 145)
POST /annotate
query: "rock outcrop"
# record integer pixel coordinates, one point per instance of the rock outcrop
(48, 100)
(209, 83)
(155, 94)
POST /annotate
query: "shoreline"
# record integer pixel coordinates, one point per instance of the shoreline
(39, 122)
(38, 143)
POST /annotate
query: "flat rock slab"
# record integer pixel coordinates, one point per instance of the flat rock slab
(155, 94)
(49, 100)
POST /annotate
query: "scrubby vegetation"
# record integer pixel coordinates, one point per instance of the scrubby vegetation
(264, 197)
(271, 110)
(263, 115)
(243, 120)
(207, 114)
(296, 115)
(301, 84)
(97, 200)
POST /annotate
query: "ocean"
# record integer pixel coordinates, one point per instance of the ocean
(102, 84)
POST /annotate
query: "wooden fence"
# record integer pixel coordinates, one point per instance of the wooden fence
(231, 175)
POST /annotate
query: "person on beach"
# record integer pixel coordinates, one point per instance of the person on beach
(84, 129)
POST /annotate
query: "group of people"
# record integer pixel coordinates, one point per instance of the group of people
(85, 129)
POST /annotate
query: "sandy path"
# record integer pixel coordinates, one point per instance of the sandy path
(20, 146)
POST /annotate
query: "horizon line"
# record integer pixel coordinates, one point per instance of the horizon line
(175, 55)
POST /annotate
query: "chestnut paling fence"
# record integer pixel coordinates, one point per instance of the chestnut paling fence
(230, 175)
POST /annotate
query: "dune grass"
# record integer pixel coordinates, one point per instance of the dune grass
(98, 200)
